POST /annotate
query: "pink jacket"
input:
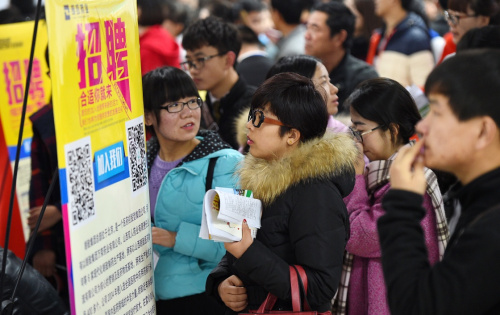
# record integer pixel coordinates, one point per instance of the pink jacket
(367, 293)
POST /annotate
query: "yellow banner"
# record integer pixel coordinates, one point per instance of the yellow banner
(92, 48)
(15, 48)
(99, 120)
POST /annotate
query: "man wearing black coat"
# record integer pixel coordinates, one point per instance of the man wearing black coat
(461, 135)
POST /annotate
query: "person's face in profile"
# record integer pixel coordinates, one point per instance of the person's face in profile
(448, 142)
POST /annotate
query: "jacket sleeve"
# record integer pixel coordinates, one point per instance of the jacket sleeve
(363, 215)
(188, 243)
(317, 231)
(464, 282)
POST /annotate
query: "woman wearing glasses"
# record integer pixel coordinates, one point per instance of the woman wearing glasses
(309, 67)
(464, 15)
(384, 116)
(179, 163)
(300, 173)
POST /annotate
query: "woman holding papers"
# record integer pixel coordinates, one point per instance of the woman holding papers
(383, 115)
(300, 173)
(178, 160)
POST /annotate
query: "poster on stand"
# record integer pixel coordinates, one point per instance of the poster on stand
(15, 48)
(99, 121)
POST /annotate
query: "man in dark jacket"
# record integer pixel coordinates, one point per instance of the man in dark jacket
(212, 47)
(330, 29)
(461, 135)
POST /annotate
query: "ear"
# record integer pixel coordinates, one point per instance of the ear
(483, 20)
(230, 59)
(394, 130)
(340, 38)
(293, 137)
(149, 118)
(488, 133)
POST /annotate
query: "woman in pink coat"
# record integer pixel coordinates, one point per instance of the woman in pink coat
(383, 116)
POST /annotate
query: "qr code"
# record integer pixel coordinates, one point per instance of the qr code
(137, 154)
(80, 181)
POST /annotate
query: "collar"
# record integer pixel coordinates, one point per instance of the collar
(323, 158)
(251, 54)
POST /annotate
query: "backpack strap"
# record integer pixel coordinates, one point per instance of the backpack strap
(210, 173)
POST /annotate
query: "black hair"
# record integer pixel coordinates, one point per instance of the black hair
(296, 102)
(387, 103)
(250, 6)
(471, 81)
(178, 12)
(302, 64)
(248, 36)
(290, 10)
(371, 21)
(480, 7)
(483, 37)
(152, 12)
(213, 32)
(339, 18)
(165, 84)
(223, 9)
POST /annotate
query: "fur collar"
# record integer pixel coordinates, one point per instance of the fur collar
(332, 155)
(240, 126)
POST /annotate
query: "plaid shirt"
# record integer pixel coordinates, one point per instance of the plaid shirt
(43, 165)
(377, 175)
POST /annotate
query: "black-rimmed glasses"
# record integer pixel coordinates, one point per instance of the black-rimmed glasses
(179, 106)
(455, 18)
(198, 63)
(257, 117)
(358, 135)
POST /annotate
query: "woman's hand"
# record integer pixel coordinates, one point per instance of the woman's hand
(407, 170)
(359, 165)
(238, 248)
(233, 293)
(163, 237)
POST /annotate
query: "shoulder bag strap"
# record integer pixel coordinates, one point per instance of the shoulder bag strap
(210, 173)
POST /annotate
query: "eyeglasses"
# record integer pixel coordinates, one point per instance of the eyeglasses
(455, 18)
(198, 63)
(358, 135)
(179, 106)
(258, 116)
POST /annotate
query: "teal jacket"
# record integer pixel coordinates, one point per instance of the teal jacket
(183, 270)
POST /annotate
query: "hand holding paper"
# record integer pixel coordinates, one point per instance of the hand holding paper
(238, 248)
(223, 211)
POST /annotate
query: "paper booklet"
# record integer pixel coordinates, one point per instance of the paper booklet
(223, 212)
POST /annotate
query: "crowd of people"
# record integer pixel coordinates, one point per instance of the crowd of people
(312, 105)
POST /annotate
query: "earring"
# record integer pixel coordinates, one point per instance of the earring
(290, 142)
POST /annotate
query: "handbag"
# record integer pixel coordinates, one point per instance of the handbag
(298, 281)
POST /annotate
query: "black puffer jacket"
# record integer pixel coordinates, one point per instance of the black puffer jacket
(304, 221)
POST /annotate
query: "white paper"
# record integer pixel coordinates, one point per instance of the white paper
(224, 225)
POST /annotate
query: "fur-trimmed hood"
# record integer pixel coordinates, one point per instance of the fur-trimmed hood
(330, 157)
(240, 126)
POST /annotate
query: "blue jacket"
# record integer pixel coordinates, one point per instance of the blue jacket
(405, 56)
(183, 270)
